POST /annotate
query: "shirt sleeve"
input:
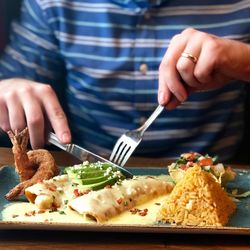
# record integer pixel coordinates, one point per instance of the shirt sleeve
(33, 51)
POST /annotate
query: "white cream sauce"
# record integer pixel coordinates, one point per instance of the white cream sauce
(108, 202)
(28, 212)
(143, 211)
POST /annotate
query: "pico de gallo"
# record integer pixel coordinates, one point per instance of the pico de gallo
(219, 171)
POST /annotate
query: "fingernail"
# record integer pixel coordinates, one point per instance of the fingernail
(66, 137)
(161, 98)
(179, 97)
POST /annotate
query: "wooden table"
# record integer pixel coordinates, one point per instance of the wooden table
(27, 239)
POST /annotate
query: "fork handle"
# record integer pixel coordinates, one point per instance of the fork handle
(151, 119)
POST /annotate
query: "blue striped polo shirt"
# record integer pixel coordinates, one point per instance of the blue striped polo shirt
(104, 57)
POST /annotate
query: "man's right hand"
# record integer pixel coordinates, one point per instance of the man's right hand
(24, 103)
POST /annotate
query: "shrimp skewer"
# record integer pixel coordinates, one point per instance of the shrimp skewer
(32, 167)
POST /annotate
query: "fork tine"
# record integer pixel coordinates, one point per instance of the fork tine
(114, 153)
(127, 143)
(126, 156)
(120, 149)
(123, 153)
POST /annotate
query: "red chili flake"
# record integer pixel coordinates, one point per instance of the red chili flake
(134, 210)
(30, 213)
(46, 220)
(108, 186)
(119, 201)
(143, 212)
(85, 192)
(41, 211)
(76, 192)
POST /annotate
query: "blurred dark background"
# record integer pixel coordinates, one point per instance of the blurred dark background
(9, 10)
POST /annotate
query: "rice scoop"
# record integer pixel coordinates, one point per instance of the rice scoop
(197, 200)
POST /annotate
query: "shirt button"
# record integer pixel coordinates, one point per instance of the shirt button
(144, 68)
(147, 15)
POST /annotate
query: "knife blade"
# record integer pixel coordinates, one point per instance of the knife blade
(84, 154)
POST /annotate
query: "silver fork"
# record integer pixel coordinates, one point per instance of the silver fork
(127, 143)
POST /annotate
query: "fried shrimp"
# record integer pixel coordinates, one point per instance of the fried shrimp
(32, 166)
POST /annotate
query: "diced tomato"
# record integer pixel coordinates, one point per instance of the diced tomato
(183, 167)
(189, 156)
(76, 192)
(119, 201)
(206, 162)
(143, 212)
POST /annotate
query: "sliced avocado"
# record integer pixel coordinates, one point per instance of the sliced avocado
(93, 180)
(93, 175)
(100, 185)
(84, 175)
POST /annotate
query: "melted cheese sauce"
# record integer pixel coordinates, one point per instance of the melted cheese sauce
(28, 212)
(61, 192)
(109, 202)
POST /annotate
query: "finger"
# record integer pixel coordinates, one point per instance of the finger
(34, 118)
(169, 78)
(48, 128)
(4, 117)
(15, 112)
(55, 114)
(173, 103)
(187, 63)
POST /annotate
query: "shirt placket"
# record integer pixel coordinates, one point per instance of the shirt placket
(141, 65)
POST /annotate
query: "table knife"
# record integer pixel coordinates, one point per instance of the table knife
(83, 154)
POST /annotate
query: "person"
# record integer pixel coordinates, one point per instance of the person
(112, 61)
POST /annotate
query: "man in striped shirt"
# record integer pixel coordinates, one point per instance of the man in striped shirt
(103, 57)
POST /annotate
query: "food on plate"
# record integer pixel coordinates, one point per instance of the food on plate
(197, 200)
(194, 193)
(94, 176)
(77, 180)
(221, 173)
(97, 190)
(32, 166)
(111, 201)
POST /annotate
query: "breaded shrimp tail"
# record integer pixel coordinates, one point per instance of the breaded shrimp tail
(32, 167)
